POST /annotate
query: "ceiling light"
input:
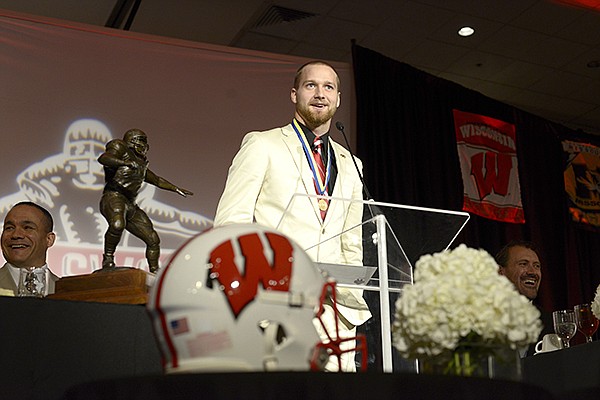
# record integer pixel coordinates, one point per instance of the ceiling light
(466, 31)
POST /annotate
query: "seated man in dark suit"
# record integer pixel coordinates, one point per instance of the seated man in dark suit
(26, 236)
(520, 263)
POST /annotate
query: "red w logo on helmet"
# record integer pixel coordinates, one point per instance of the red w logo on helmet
(241, 288)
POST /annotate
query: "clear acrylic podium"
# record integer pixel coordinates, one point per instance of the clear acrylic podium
(384, 241)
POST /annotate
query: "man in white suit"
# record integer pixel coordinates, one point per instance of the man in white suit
(26, 236)
(273, 165)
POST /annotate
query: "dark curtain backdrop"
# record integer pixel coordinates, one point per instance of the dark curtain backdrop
(406, 140)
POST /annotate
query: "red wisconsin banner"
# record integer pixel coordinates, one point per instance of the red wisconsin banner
(582, 182)
(488, 162)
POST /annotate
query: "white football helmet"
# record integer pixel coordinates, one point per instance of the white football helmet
(241, 297)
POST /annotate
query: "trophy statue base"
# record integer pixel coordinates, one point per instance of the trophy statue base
(121, 285)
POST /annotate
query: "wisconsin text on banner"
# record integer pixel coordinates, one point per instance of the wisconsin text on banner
(488, 161)
(582, 182)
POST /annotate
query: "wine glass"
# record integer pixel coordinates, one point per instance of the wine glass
(587, 323)
(564, 325)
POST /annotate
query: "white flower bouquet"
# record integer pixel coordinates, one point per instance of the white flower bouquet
(459, 299)
(596, 303)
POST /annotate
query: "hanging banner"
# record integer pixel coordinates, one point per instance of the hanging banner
(582, 182)
(488, 161)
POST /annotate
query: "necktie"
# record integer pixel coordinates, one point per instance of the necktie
(317, 154)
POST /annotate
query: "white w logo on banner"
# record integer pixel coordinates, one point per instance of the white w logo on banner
(488, 161)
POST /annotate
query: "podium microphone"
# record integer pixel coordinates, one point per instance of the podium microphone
(340, 127)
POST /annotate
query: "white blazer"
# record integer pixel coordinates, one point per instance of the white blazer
(267, 171)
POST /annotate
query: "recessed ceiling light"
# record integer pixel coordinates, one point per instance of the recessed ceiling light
(466, 31)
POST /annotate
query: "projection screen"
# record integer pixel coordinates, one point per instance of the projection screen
(66, 89)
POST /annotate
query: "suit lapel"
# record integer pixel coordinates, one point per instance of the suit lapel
(299, 158)
(337, 189)
(294, 146)
(6, 280)
(342, 159)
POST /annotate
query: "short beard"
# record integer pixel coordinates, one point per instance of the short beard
(313, 120)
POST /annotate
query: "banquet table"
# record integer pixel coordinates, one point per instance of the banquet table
(572, 370)
(50, 345)
(59, 349)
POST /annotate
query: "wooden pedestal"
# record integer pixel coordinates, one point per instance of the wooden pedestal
(119, 285)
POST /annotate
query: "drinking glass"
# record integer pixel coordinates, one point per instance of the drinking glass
(587, 323)
(564, 325)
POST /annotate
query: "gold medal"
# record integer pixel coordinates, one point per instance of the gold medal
(323, 204)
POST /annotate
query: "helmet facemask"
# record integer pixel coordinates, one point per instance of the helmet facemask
(334, 345)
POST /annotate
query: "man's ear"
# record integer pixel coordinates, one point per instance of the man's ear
(339, 99)
(293, 95)
(50, 238)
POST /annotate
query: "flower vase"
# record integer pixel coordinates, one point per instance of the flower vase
(483, 361)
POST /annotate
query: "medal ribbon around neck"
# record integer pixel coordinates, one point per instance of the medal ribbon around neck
(320, 186)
